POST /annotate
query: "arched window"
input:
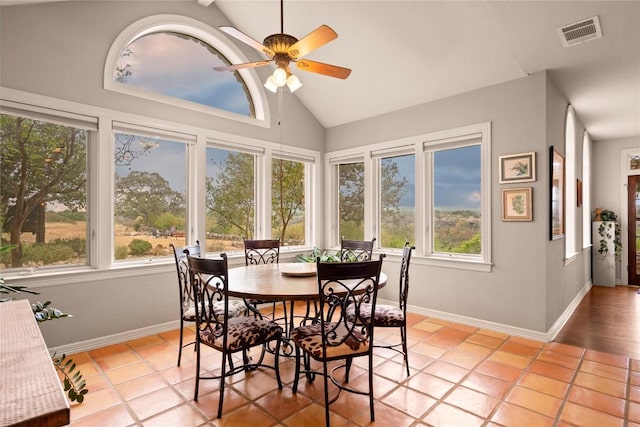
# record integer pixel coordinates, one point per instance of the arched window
(586, 190)
(170, 59)
(570, 184)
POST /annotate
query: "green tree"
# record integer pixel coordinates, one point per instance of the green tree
(41, 162)
(145, 196)
(287, 197)
(230, 195)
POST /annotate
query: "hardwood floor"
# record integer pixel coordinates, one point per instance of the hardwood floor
(607, 319)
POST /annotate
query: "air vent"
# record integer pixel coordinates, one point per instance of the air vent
(580, 32)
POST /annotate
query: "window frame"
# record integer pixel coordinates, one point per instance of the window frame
(193, 28)
(100, 178)
(369, 154)
(570, 214)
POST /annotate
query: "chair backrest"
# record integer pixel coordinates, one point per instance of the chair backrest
(261, 251)
(182, 267)
(209, 280)
(342, 286)
(404, 276)
(356, 250)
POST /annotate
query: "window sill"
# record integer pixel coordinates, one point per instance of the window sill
(570, 258)
(455, 263)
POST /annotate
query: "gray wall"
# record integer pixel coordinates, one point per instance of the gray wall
(59, 50)
(526, 288)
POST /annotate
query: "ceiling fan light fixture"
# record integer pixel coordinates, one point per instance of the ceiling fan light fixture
(270, 85)
(293, 83)
(279, 77)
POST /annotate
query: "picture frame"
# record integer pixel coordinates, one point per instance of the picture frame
(517, 204)
(556, 194)
(578, 193)
(518, 168)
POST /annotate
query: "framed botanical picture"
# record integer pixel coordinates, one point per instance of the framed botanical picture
(556, 194)
(517, 204)
(518, 168)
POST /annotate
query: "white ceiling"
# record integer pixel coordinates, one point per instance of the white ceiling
(405, 53)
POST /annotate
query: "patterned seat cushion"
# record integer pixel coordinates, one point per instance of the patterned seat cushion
(236, 308)
(244, 332)
(309, 338)
(385, 315)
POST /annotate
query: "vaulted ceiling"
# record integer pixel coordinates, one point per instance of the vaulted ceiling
(405, 53)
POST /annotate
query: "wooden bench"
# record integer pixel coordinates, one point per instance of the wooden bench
(30, 391)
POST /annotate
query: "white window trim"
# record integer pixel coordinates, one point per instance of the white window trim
(369, 154)
(101, 176)
(570, 186)
(454, 138)
(201, 31)
(586, 190)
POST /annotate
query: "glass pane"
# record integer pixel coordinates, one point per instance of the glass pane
(634, 163)
(43, 191)
(287, 202)
(351, 188)
(150, 207)
(181, 66)
(456, 210)
(398, 200)
(230, 199)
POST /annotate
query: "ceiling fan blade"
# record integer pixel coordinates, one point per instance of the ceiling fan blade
(233, 32)
(239, 66)
(318, 37)
(326, 69)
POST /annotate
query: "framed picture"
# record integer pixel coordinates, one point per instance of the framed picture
(518, 168)
(578, 193)
(517, 204)
(556, 194)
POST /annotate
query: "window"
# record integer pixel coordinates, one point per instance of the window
(457, 203)
(150, 195)
(351, 201)
(288, 201)
(170, 59)
(570, 185)
(396, 200)
(231, 201)
(586, 190)
(43, 187)
(456, 209)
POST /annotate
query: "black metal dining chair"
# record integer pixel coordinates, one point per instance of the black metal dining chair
(391, 316)
(264, 251)
(356, 250)
(210, 282)
(187, 301)
(333, 336)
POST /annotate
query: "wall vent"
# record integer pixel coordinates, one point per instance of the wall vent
(580, 32)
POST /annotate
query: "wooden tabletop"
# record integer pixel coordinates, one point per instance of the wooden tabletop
(30, 391)
(277, 282)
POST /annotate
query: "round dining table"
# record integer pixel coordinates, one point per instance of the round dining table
(287, 281)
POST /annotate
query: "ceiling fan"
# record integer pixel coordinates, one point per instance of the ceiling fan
(284, 49)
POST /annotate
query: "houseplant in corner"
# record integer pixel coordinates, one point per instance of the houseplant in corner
(74, 384)
(609, 229)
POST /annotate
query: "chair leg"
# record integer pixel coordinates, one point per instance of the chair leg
(195, 393)
(373, 417)
(296, 375)
(276, 362)
(326, 392)
(347, 369)
(181, 332)
(223, 372)
(403, 336)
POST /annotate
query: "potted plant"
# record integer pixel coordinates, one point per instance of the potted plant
(609, 228)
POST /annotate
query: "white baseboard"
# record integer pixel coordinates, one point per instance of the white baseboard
(568, 312)
(499, 327)
(118, 338)
(485, 324)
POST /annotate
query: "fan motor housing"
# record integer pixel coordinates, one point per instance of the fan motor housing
(280, 43)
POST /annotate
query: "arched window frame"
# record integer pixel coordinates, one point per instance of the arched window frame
(570, 185)
(209, 35)
(586, 190)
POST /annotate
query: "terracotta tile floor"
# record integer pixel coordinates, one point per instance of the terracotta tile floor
(460, 376)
